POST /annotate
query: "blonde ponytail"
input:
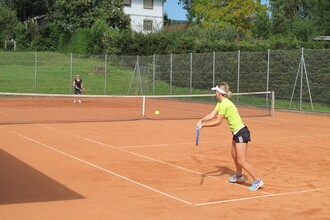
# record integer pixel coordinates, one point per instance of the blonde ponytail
(225, 87)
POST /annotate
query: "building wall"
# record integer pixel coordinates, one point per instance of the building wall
(138, 14)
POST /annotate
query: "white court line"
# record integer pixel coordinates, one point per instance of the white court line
(4, 113)
(142, 156)
(146, 157)
(258, 197)
(152, 145)
(217, 142)
(155, 190)
(103, 169)
(161, 145)
(279, 120)
(126, 151)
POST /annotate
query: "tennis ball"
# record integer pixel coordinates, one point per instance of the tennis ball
(157, 112)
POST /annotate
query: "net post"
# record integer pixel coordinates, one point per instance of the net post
(273, 104)
(143, 105)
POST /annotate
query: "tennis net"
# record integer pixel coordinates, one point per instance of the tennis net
(27, 108)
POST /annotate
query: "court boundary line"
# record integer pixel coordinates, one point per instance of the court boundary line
(262, 196)
(158, 191)
(101, 168)
(143, 156)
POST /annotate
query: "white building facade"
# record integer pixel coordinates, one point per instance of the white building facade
(146, 15)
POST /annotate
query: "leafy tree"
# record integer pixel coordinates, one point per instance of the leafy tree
(320, 10)
(186, 5)
(8, 20)
(313, 14)
(262, 26)
(71, 15)
(241, 14)
(283, 13)
(29, 8)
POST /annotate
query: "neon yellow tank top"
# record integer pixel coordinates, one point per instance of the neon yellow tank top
(230, 112)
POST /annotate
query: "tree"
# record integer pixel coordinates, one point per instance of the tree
(262, 26)
(8, 20)
(320, 10)
(29, 8)
(71, 15)
(314, 13)
(283, 13)
(241, 14)
(186, 5)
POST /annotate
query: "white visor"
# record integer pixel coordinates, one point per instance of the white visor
(217, 88)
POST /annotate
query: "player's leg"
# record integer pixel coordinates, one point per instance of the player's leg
(79, 96)
(238, 176)
(75, 95)
(234, 156)
(241, 152)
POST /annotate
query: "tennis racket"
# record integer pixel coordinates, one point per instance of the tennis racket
(82, 89)
(197, 135)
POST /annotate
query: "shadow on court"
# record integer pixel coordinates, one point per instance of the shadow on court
(20, 183)
(220, 171)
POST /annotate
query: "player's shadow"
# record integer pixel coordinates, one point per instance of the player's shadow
(220, 171)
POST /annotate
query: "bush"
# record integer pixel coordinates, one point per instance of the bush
(112, 41)
(81, 42)
(22, 37)
(98, 30)
(46, 38)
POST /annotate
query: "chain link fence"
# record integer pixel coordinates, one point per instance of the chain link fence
(300, 78)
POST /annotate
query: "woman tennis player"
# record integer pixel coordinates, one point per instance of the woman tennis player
(78, 87)
(225, 109)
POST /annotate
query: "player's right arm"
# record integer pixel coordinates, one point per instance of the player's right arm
(208, 117)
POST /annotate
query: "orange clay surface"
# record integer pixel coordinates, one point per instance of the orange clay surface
(151, 169)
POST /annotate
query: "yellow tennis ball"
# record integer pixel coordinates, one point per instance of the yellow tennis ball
(157, 112)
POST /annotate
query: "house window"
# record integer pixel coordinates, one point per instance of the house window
(148, 4)
(147, 25)
(128, 3)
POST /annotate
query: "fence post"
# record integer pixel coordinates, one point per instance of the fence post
(105, 73)
(154, 74)
(171, 74)
(71, 74)
(301, 78)
(302, 69)
(238, 72)
(190, 73)
(267, 83)
(35, 71)
(213, 73)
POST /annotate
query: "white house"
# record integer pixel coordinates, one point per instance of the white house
(146, 15)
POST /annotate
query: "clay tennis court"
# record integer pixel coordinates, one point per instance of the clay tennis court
(60, 160)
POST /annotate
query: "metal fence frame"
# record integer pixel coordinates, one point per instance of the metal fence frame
(244, 71)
